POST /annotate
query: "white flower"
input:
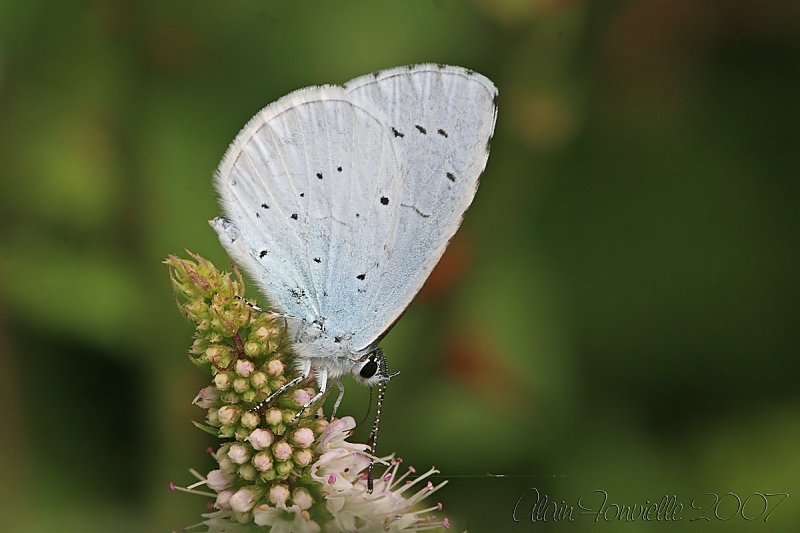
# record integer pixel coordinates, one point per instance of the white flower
(284, 519)
(205, 398)
(303, 437)
(301, 396)
(224, 521)
(228, 414)
(219, 480)
(260, 439)
(222, 381)
(282, 451)
(239, 454)
(275, 367)
(262, 461)
(278, 494)
(391, 505)
(245, 367)
(243, 500)
(224, 499)
(302, 499)
(274, 416)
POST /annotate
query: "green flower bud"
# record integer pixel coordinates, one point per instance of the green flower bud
(269, 475)
(303, 457)
(228, 415)
(249, 396)
(283, 469)
(199, 346)
(248, 472)
(241, 384)
(250, 420)
(258, 380)
(220, 356)
(319, 426)
(261, 334)
(222, 381)
(251, 348)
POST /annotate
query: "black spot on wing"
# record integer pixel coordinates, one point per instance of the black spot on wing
(397, 133)
(361, 277)
(384, 200)
(265, 206)
(441, 132)
(258, 215)
(420, 129)
(450, 176)
(302, 195)
(317, 260)
(262, 253)
(319, 175)
(294, 216)
(338, 169)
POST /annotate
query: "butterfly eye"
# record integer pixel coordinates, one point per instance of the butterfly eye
(369, 369)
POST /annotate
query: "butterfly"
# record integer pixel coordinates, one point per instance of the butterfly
(339, 200)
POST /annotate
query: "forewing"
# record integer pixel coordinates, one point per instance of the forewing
(440, 121)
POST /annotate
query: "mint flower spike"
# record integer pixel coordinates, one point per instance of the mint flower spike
(276, 471)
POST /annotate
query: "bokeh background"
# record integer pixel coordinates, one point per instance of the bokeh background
(618, 311)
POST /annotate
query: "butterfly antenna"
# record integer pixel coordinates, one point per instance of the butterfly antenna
(373, 436)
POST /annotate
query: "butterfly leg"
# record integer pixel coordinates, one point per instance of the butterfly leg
(304, 373)
(338, 398)
(322, 381)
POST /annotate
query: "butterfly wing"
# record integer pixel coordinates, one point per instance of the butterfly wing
(440, 120)
(341, 200)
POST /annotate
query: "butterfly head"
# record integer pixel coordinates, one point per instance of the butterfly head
(371, 369)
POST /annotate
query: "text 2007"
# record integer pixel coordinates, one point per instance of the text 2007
(756, 506)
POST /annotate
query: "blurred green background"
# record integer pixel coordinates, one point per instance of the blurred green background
(618, 311)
